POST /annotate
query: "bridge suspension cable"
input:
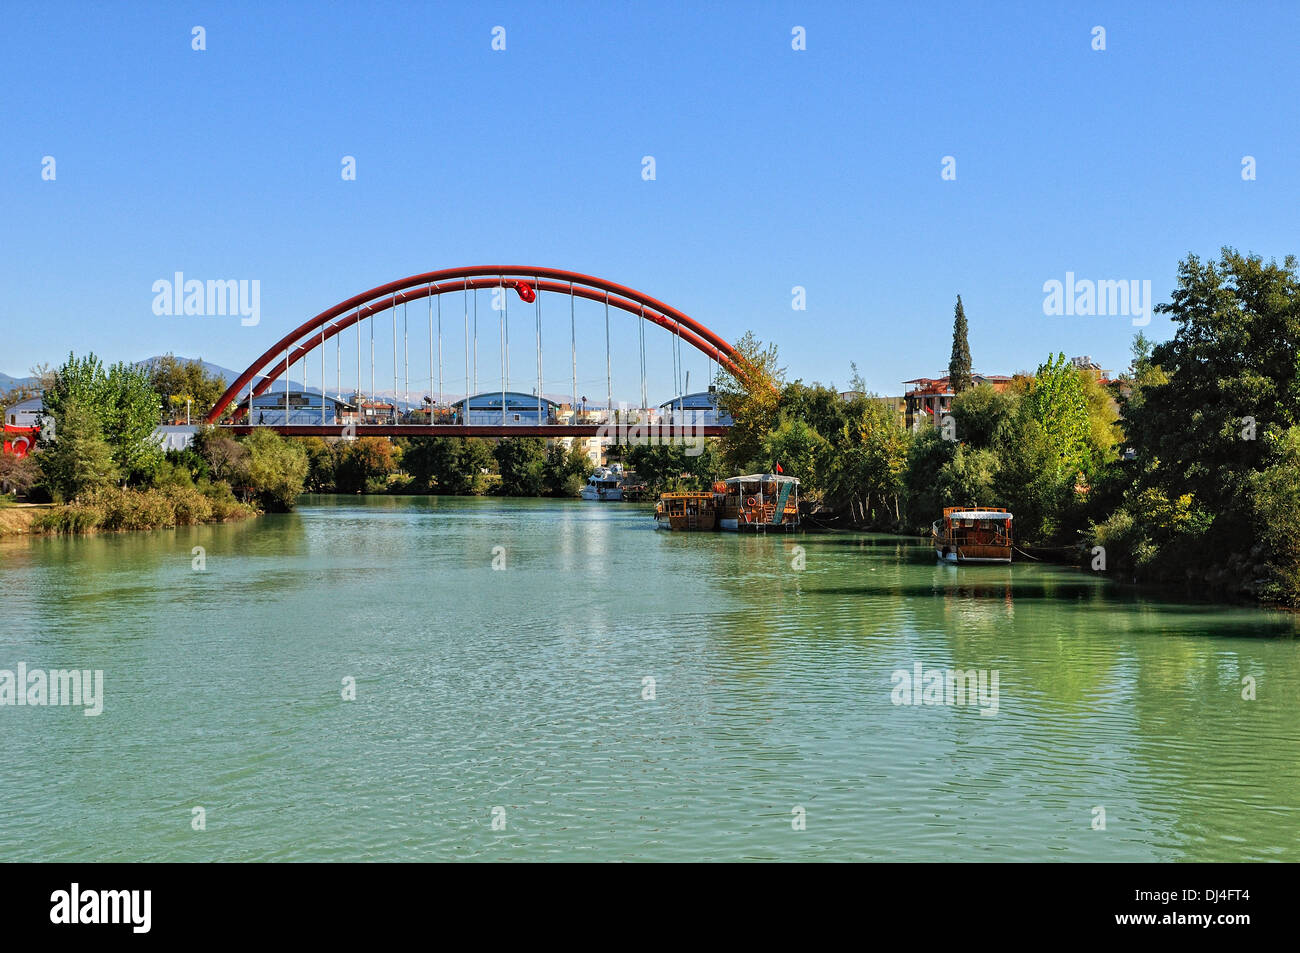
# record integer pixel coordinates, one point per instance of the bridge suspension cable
(406, 362)
(640, 325)
(573, 354)
(609, 372)
(465, 306)
(505, 352)
(430, 354)
(537, 301)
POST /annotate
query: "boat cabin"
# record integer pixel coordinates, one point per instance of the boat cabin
(968, 534)
(688, 511)
(760, 502)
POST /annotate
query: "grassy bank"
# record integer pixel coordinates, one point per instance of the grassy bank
(114, 508)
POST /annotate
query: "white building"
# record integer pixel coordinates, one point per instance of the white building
(304, 407)
(519, 409)
(700, 409)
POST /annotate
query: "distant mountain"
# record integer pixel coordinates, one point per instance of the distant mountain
(7, 382)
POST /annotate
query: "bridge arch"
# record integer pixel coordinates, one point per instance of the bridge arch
(522, 280)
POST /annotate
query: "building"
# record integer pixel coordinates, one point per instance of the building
(518, 409)
(174, 436)
(25, 413)
(304, 407)
(593, 447)
(22, 426)
(931, 397)
(700, 409)
(1089, 366)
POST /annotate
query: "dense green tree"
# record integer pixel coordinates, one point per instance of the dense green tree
(1057, 400)
(1211, 437)
(669, 467)
(365, 465)
(979, 412)
(1030, 480)
(277, 469)
(1275, 498)
(322, 463)
(868, 460)
(969, 478)
(927, 455)
(122, 400)
(565, 469)
(800, 451)
(959, 366)
(80, 459)
(521, 461)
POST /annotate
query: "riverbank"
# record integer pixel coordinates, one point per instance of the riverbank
(115, 509)
(16, 518)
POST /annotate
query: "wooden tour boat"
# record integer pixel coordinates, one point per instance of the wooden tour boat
(759, 502)
(969, 534)
(688, 511)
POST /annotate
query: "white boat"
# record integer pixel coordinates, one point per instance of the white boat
(605, 485)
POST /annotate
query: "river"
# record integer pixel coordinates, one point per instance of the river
(610, 691)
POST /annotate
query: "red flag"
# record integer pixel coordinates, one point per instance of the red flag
(778, 468)
(525, 291)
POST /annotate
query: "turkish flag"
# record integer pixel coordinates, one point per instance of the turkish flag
(19, 440)
(778, 468)
(525, 291)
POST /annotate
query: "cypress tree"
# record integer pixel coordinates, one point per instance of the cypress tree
(959, 376)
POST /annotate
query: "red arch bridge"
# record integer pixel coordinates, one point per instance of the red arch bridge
(376, 405)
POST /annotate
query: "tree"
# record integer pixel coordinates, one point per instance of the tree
(179, 381)
(959, 368)
(226, 457)
(322, 463)
(1058, 402)
(868, 460)
(521, 461)
(928, 454)
(453, 465)
(800, 451)
(122, 400)
(277, 469)
(18, 474)
(1211, 436)
(981, 411)
(564, 470)
(366, 464)
(753, 401)
(80, 459)
(1276, 502)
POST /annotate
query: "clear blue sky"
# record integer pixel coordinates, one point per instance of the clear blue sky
(775, 168)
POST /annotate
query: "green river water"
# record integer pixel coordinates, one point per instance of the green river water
(520, 696)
